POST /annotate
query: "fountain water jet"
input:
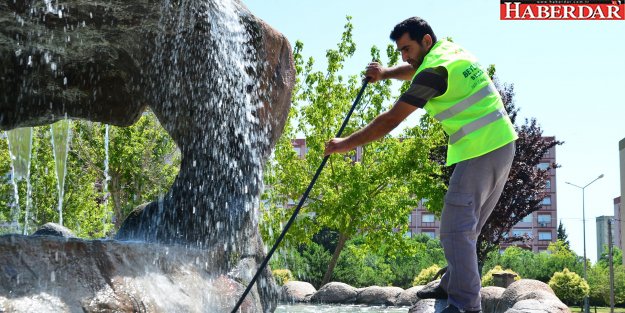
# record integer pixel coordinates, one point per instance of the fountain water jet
(20, 151)
(60, 135)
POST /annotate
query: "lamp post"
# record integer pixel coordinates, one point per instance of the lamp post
(586, 307)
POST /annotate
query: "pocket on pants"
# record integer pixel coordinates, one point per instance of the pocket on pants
(458, 213)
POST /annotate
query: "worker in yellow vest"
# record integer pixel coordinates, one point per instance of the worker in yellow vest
(449, 83)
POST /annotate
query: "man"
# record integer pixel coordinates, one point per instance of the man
(449, 84)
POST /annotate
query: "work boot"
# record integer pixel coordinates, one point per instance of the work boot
(452, 309)
(432, 290)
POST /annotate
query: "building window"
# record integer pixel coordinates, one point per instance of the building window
(410, 218)
(522, 232)
(547, 200)
(544, 235)
(543, 166)
(298, 151)
(427, 218)
(548, 184)
(544, 220)
(408, 234)
(429, 233)
(527, 219)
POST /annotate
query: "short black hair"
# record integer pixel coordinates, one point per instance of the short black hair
(416, 27)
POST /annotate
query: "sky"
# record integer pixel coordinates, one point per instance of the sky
(568, 75)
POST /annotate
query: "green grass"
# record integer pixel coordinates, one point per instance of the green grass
(599, 309)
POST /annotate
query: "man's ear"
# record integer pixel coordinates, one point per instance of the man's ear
(427, 41)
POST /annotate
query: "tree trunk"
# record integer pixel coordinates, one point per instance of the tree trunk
(335, 257)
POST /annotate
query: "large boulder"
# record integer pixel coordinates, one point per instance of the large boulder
(428, 306)
(490, 298)
(55, 274)
(408, 297)
(297, 291)
(518, 290)
(335, 292)
(376, 295)
(54, 229)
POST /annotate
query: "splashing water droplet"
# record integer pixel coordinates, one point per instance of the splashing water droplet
(52, 276)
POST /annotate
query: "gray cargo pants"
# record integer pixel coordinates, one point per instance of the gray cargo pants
(474, 190)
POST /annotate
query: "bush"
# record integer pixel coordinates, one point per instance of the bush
(569, 286)
(426, 275)
(282, 276)
(487, 279)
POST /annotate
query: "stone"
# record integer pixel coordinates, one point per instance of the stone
(518, 289)
(335, 292)
(428, 306)
(408, 297)
(534, 305)
(297, 291)
(490, 298)
(376, 295)
(54, 229)
(53, 274)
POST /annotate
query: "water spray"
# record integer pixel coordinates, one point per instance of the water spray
(301, 202)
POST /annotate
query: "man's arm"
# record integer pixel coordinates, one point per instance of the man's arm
(377, 72)
(378, 128)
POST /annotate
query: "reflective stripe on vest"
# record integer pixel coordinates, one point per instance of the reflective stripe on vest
(477, 124)
(466, 103)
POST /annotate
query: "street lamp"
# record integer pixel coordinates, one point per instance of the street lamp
(586, 307)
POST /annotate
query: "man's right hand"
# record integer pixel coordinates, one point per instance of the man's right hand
(375, 71)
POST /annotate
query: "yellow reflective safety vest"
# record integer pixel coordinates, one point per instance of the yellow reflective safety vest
(470, 111)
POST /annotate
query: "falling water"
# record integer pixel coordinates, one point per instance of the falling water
(107, 178)
(60, 134)
(20, 151)
(205, 64)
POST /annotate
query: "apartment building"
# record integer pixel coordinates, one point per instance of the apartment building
(603, 234)
(617, 225)
(542, 225)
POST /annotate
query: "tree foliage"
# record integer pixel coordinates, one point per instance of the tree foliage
(569, 286)
(426, 275)
(562, 235)
(540, 266)
(524, 190)
(143, 161)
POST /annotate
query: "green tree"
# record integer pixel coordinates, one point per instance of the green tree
(371, 197)
(569, 286)
(144, 163)
(562, 236)
(523, 192)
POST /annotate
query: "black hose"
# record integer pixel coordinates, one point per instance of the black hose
(301, 202)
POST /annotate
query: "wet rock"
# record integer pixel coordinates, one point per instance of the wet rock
(54, 229)
(518, 289)
(428, 306)
(52, 274)
(297, 291)
(490, 298)
(408, 296)
(536, 306)
(335, 292)
(375, 295)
